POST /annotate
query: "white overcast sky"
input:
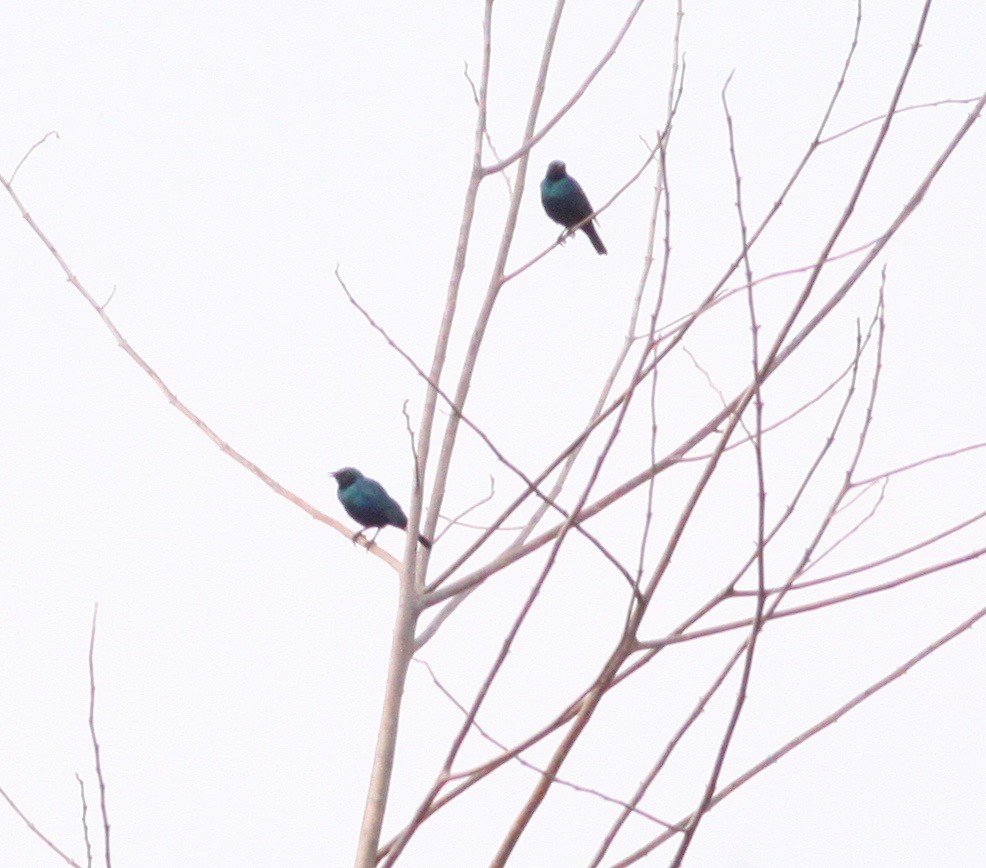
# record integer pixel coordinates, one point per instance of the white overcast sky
(215, 163)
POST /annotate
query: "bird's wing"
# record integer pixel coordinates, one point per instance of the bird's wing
(390, 507)
(579, 200)
(373, 489)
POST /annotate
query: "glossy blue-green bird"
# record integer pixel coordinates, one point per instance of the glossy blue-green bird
(565, 202)
(368, 503)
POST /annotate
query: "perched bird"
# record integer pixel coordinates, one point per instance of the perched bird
(565, 202)
(367, 502)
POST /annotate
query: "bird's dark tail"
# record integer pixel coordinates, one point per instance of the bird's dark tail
(424, 540)
(597, 242)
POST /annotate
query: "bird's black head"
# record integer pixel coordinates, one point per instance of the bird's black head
(347, 476)
(556, 170)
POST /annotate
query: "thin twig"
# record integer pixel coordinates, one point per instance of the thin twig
(95, 740)
(914, 464)
(756, 440)
(531, 138)
(179, 405)
(85, 822)
(818, 605)
(51, 845)
(529, 765)
(31, 150)
(908, 108)
(807, 734)
(456, 521)
(486, 131)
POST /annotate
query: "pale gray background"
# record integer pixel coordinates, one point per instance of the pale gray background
(216, 162)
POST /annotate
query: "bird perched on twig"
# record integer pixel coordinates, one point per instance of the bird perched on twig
(565, 202)
(368, 503)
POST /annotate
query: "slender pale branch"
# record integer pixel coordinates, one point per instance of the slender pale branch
(41, 835)
(180, 405)
(807, 734)
(95, 741)
(531, 138)
(85, 821)
(756, 441)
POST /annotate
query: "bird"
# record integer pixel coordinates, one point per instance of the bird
(565, 202)
(368, 503)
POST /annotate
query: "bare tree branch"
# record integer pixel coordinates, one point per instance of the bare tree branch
(85, 823)
(50, 844)
(95, 741)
